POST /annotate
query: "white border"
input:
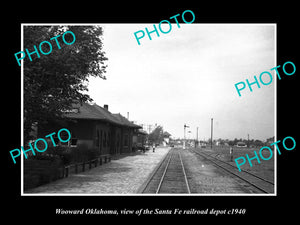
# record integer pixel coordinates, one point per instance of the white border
(191, 195)
(275, 113)
(22, 110)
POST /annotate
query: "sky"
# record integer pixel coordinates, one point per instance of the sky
(187, 77)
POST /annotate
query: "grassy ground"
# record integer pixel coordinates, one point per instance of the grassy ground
(265, 168)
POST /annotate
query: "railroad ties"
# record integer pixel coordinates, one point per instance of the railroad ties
(169, 177)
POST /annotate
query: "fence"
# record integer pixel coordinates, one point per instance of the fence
(75, 168)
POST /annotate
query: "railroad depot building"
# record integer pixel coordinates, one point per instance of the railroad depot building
(93, 126)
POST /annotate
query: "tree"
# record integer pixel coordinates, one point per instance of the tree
(231, 143)
(53, 82)
(258, 143)
(156, 136)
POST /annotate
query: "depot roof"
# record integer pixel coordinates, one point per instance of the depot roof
(122, 120)
(96, 112)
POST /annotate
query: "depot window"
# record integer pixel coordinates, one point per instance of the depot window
(71, 143)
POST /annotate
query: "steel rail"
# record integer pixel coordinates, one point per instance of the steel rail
(263, 179)
(145, 185)
(163, 175)
(240, 177)
(185, 177)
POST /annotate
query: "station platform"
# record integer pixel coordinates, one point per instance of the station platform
(123, 175)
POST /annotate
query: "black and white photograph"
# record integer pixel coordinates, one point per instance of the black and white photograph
(162, 116)
(149, 113)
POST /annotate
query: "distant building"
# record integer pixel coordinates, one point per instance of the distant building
(139, 139)
(241, 144)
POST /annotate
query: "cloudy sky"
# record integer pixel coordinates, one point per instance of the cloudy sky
(188, 76)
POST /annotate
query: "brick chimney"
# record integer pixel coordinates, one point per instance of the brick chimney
(105, 107)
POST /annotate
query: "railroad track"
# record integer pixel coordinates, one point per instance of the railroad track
(169, 177)
(263, 185)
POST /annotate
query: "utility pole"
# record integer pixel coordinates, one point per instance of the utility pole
(211, 135)
(248, 141)
(196, 142)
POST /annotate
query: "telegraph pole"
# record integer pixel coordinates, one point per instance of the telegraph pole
(248, 141)
(211, 135)
(196, 142)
